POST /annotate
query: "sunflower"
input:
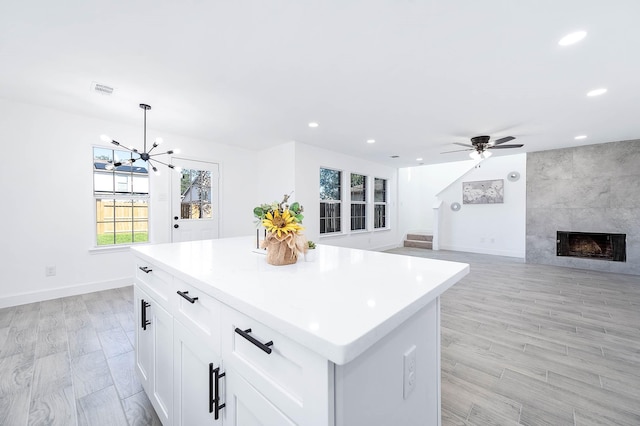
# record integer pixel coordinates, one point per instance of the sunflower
(281, 223)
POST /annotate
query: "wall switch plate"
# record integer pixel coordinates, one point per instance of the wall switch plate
(49, 271)
(409, 377)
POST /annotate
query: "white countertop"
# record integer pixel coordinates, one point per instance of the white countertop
(337, 306)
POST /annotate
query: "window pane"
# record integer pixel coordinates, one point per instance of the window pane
(330, 184)
(380, 188)
(140, 184)
(196, 194)
(329, 217)
(358, 217)
(380, 216)
(122, 183)
(103, 183)
(358, 187)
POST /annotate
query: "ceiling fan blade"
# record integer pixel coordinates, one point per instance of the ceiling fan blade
(503, 140)
(507, 146)
(457, 150)
(463, 144)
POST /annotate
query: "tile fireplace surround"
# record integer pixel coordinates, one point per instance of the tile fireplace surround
(593, 188)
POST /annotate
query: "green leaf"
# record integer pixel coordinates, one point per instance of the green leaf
(295, 207)
(299, 218)
(258, 212)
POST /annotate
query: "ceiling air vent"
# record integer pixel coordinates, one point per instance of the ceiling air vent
(102, 89)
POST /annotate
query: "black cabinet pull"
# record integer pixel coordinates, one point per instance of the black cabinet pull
(185, 294)
(145, 269)
(214, 391)
(264, 346)
(143, 311)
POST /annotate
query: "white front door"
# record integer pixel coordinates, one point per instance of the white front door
(194, 201)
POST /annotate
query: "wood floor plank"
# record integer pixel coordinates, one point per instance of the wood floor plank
(114, 342)
(124, 376)
(57, 408)
(90, 373)
(14, 407)
(139, 411)
(101, 408)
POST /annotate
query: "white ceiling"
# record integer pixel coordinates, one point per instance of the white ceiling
(415, 75)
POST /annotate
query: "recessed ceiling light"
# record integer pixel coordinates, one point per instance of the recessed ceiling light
(371, 141)
(572, 38)
(597, 92)
(419, 159)
(580, 137)
(313, 124)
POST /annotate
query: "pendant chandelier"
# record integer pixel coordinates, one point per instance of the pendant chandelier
(145, 155)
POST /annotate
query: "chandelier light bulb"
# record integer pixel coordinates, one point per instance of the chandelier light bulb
(487, 154)
(143, 154)
(474, 155)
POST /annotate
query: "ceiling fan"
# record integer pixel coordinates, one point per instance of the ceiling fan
(480, 145)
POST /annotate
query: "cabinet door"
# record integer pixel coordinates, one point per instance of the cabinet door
(144, 339)
(193, 381)
(248, 407)
(154, 356)
(161, 394)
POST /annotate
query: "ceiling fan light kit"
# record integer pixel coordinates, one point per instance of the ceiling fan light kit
(145, 155)
(481, 144)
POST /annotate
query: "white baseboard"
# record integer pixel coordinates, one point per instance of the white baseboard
(55, 293)
(482, 250)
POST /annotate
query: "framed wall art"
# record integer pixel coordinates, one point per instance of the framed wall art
(483, 192)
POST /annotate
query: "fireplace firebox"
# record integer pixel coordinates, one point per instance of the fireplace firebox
(592, 245)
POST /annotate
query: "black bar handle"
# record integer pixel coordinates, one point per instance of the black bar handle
(264, 346)
(211, 398)
(143, 311)
(214, 391)
(145, 269)
(185, 294)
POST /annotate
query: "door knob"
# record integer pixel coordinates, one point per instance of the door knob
(176, 226)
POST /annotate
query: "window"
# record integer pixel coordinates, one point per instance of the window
(195, 190)
(330, 201)
(358, 202)
(121, 197)
(380, 203)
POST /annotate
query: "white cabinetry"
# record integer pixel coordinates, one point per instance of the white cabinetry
(194, 379)
(316, 343)
(154, 333)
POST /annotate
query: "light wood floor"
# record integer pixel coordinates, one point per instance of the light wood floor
(522, 344)
(70, 361)
(538, 345)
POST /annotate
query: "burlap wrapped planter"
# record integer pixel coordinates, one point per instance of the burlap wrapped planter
(283, 250)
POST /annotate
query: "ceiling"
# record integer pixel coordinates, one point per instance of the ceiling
(415, 75)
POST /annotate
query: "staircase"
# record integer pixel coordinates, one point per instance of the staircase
(419, 241)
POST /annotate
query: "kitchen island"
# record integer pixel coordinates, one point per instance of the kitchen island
(352, 338)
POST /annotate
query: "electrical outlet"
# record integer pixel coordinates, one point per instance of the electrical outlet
(50, 271)
(409, 377)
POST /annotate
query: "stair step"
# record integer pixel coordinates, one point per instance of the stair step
(418, 244)
(419, 237)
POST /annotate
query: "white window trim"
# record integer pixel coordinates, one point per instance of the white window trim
(365, 203)
(379, 203)
(95, 197)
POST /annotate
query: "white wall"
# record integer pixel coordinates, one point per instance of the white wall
(479, 228)
(417, 190)
(47, 206)
(497, 229)
(309, 160)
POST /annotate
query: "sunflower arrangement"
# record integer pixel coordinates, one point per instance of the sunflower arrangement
(283, 225)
